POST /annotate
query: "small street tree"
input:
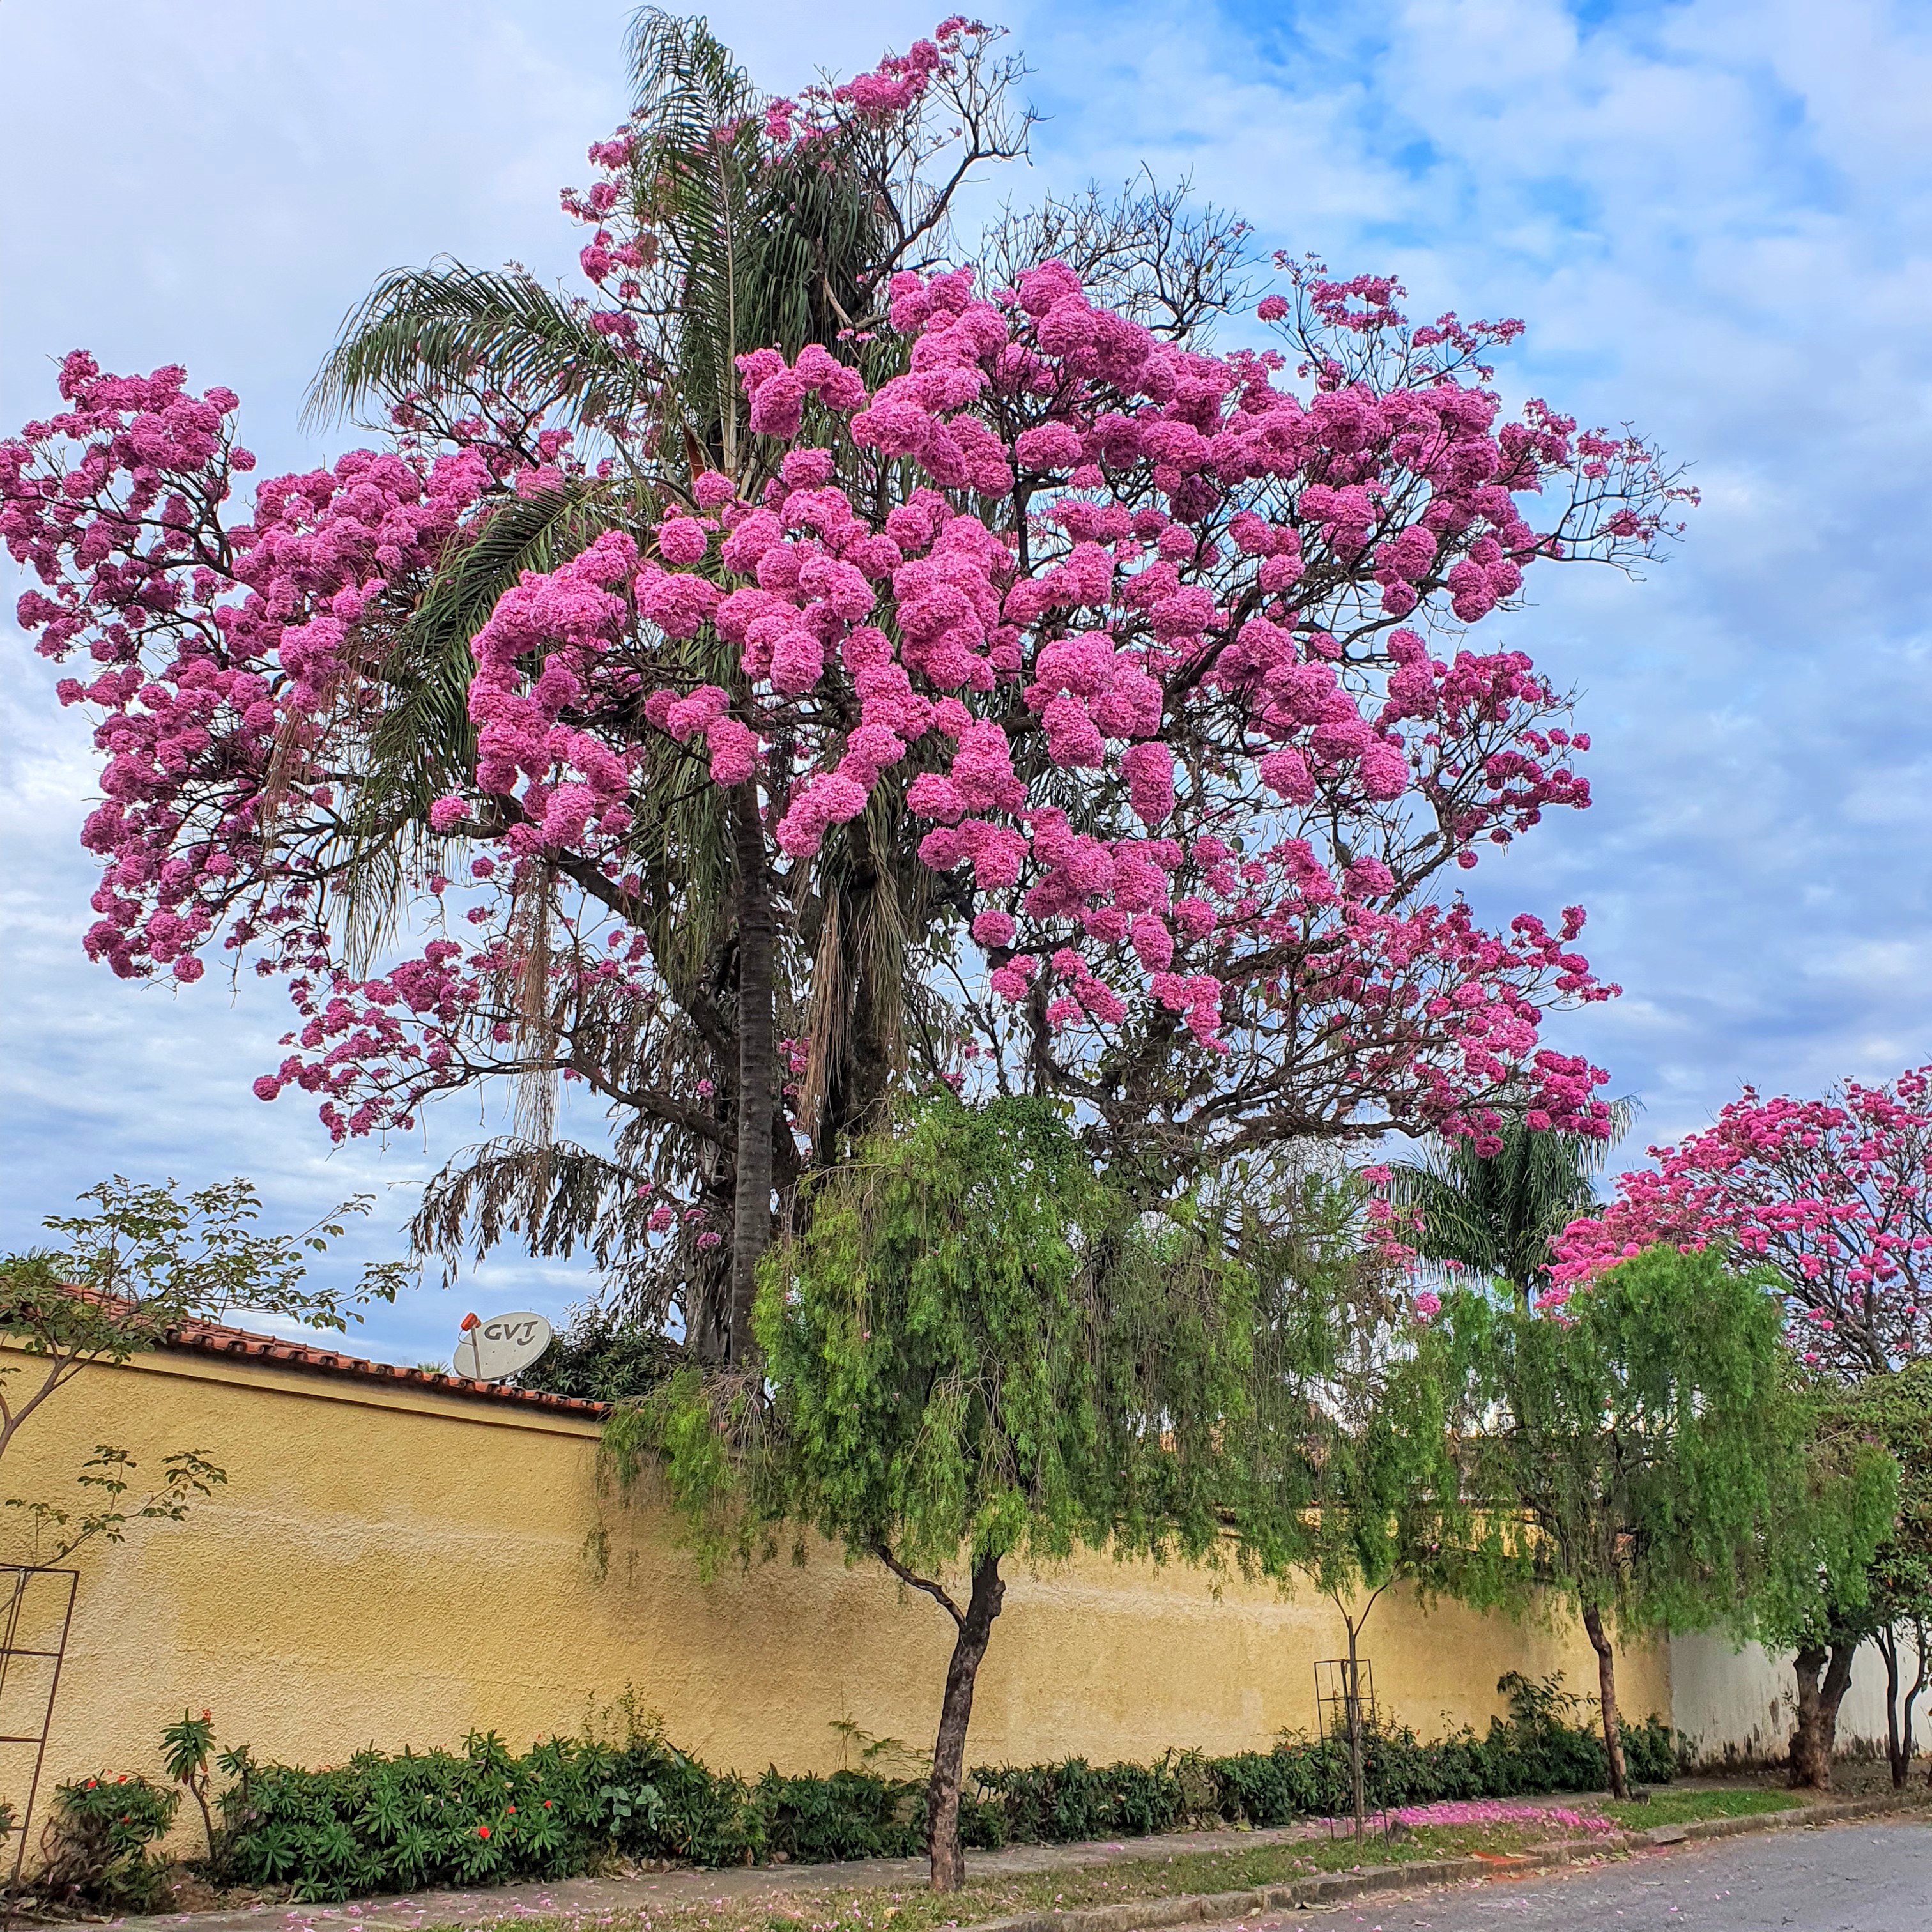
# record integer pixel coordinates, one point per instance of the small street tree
(1347, 1477)
(1646, 1452)
(141, 1261)
(973, 1353)
(1832, 1609)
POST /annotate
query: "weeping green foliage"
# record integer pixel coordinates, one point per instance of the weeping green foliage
(1651, 1454)
(1496, 1214)
(973, 1350)
(1897, 1411)
(1842, 1583)
(1349, 1477)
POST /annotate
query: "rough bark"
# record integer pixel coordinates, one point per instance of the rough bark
(1824, 1676)
(1606, 1691)
(751, 1197)
(975, 1626)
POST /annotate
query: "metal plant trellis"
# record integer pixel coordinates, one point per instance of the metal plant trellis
(30, 1656)
(1345, 1703)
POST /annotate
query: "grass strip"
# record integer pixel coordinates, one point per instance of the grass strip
(878, 1908)
(1687, 1808)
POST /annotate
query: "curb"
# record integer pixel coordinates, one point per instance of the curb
(1332, 1888)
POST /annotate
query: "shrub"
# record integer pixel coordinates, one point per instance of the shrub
(1547, 1743)
(97, 1842)
(488, 1815)
(484, 1817)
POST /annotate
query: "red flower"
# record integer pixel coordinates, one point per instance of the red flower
(482, 1831)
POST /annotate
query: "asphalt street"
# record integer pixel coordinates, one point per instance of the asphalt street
(1875, 1877)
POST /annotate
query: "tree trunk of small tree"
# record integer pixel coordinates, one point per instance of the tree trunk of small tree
(955, 1713)
(1824, 1676)
(752, 1199)
(1606, 1692)
(1901, 1745)
(1900, 1764)
(1358, 1794)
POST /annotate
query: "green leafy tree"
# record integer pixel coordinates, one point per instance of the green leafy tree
(603, 1358)
(1495, 1213)
(1828, 1615)
(1348, 1479)
(140, 1262)
(1648, 1455)
(1898, 1410)
(974, 1354)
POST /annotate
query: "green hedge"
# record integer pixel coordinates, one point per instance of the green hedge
(383, 1823)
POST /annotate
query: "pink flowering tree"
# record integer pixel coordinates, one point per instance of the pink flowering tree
(1831, 1196)
(1025, 699)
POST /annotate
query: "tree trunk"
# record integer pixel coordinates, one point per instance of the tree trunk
(949, 1751)
(1815, 1741)
(751, 1200)
(1354, 1708)
(1901, 1765)
(1606, 1692)
(1901, 1769)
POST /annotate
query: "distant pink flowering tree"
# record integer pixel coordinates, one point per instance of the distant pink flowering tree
(1833, 1195)
(1149, 664)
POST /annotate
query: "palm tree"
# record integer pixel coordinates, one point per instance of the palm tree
(1496, 1214)
(744, 247)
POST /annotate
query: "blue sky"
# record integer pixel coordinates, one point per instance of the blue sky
(1716, 218)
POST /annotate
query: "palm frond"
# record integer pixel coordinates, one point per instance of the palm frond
(423, 744)
(448, 329)
(1496, 1214)
(558, 1197)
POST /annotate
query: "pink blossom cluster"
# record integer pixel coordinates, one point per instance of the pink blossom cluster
(895, 93)
(1119, 608)
(1830, 1195)
(897, 87)
(220, 649)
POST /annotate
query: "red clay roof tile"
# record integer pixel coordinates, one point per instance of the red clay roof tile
(215, 1338)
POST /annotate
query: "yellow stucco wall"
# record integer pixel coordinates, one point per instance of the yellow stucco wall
(396, 1567)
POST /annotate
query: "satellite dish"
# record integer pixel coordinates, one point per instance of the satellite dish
(490, 1351)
